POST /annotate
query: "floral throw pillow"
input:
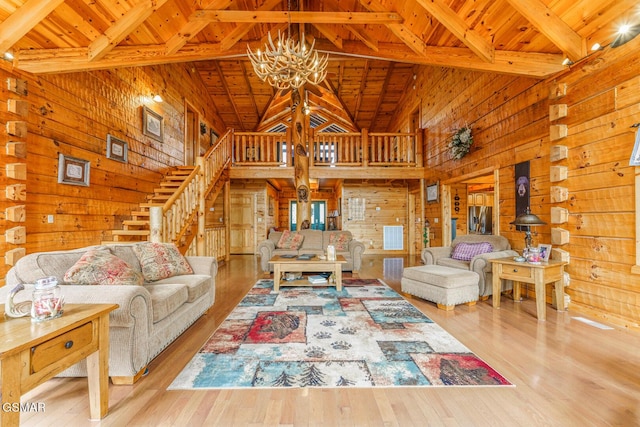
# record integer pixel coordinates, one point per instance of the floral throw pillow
(101, 267)
(466, 251)
(340, 241)
(161, 260)
(290, 240)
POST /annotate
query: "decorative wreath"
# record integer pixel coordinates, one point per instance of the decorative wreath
(461, 143)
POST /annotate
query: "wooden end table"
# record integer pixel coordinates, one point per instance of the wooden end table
(32, 353)
(293, 265)
(537, 274)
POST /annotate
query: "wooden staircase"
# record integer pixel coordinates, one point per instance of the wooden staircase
(137, 228)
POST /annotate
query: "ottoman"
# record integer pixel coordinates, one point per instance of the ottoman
(445, 286)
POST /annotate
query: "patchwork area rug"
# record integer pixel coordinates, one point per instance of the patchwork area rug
(366, 335)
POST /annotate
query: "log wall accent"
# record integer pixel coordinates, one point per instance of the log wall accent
(510, 118)
(72, 114)
(14, 179)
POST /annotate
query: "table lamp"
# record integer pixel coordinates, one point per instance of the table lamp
(527, 219)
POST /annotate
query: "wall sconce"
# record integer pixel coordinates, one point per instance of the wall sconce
(528, 220)
(203, 128)
(157, 98)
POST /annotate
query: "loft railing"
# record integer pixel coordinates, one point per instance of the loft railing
(173, 221)
(359, 149)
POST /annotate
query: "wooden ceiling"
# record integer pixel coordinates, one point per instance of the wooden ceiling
(375, 46)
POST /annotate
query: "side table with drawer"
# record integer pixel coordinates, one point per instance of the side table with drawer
(32, 353)
(539, 275)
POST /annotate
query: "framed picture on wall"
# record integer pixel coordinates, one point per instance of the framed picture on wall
(152, 124)
(73, 171)
(117, 149)
(432, 192)
(522, 191)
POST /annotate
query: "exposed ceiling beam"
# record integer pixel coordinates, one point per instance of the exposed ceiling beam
(365, 38)
(385, 86)
(331, 88)
(315, 17)
(554, 28)
(363, 82)
(403, 33)
(37, 61)
(330, 34)
(191, 28)
(229, 94)
(122, 27)
(240, 31)
(450, 19)
(247, 83)
(20, 22)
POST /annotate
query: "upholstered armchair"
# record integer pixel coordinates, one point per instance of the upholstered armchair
(500, 248)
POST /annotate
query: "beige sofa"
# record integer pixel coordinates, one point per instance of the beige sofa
(441, 255)
(149, 317)
(315, 242)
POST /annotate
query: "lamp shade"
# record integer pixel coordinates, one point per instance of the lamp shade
(527, 219)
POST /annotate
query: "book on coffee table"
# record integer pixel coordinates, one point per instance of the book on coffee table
(317, 279)
(306, 256)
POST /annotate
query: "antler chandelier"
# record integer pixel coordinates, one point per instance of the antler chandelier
(288, 63)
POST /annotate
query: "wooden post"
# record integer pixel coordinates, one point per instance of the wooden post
(202, 188)
(301, 167)
(365, 147)
(227, 220)
(155, 224)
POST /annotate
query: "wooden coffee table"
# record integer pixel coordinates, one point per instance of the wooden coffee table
(31, 353)
(293, 265)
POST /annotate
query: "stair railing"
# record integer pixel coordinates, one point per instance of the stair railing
(170, 222)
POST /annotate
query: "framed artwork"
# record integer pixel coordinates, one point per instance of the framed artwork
(117, 149)
(73, 171)
(545, 252)
(522, 191)
(432, 192)
(152, 125)
(271, 206)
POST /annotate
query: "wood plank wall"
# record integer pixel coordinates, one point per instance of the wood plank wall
(511, 123)
(72, 114)
(390, 198)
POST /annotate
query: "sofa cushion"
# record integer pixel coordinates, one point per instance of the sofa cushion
(166, 298)
(340, 240)
(101, 267)
(197, 284)
(161, 260)
(290, 240)
(313, 240)
(466, 251)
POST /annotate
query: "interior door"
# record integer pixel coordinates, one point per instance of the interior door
(242, 223)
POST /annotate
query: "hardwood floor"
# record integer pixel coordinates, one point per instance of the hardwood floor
(566, 373)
